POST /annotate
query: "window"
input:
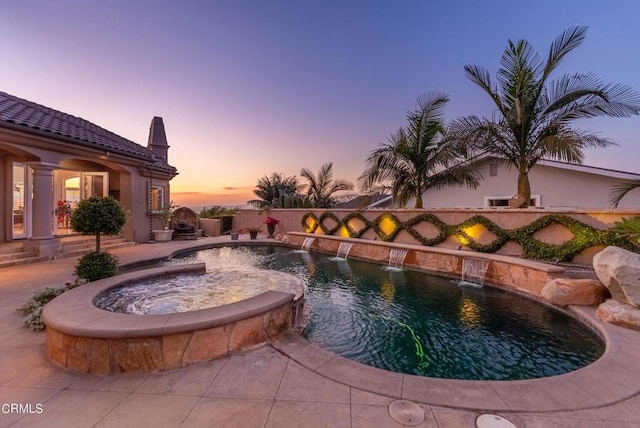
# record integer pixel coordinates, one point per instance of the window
(72, 189)
(503, 201)
(156, 197)
(493, 169)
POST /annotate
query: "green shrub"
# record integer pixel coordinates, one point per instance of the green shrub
(217, 211)
(96, 216)
(584, 236)
(96, 265)
(629, 228)
(32, 308)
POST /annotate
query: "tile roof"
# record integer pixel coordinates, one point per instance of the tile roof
(18, 113)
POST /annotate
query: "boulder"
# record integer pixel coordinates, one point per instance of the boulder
(564, 291)
(619, 271)
(620, 314)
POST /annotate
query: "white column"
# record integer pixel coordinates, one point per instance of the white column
(42, 208)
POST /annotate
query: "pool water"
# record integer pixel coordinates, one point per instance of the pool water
(191, 292)
(416, 323)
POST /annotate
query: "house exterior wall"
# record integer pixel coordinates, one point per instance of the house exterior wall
(557, 187)
(5, 197)
(127, 180)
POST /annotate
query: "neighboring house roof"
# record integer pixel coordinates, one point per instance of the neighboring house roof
(27, 116)
(367, 201)
(625, 175)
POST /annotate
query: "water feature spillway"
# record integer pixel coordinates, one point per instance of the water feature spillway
(307, 243)
(343, 250)
(473, 271)
(396, 258)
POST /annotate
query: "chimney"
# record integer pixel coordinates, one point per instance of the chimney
(158, 139)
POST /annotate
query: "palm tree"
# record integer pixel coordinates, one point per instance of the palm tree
(419, 157)
(534, 114)
(321, 188)
(619, 191)
(276, 191)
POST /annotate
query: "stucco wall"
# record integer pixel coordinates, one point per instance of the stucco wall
(127, 178)
(554, 234)
(6, 198)
(557, 187)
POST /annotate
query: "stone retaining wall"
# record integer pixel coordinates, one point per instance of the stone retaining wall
(87, 339)
(523, 275)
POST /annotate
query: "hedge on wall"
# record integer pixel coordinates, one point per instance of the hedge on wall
(584, 236)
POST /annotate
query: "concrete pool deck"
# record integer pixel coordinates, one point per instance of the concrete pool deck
(288, 384)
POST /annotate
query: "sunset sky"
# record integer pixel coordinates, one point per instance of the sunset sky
(247, 88)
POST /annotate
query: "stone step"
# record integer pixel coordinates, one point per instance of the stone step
(10, 248)
(88, 239)
(12, 254)
(18, 255)
(22, 261)
(77, 252)
(91, 244)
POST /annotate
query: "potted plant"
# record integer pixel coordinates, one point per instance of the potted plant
(165, 214)
(253, 232)
(234, 235)
(271, 223)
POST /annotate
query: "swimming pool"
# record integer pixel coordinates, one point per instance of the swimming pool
(416, 323)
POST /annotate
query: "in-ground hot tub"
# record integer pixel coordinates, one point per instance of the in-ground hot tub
(87, 339)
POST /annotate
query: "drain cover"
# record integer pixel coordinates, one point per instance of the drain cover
(488, 420)
(406, 412)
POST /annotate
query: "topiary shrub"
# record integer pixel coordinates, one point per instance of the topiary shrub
(96, 265)
(95, 216)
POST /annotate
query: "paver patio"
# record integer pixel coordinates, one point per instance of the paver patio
(287, 384)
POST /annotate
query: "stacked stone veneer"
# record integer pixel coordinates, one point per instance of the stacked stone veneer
(511, 272)
(90, 340)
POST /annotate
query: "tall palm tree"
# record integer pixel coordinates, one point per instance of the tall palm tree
(534, 114)
(273, 190)
(321, 188)
(419, 156)
(619, 191)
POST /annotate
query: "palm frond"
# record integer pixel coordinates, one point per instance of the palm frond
(619, 191)
(480, 76)
(322, 187)
(534, 117)
(570, 39)
(569, 91)
(419, 151)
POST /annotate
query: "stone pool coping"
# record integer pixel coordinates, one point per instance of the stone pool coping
(88, 320)
(613, 376)
(533, 264)
(528, 276)
(610, 379)
(607, 381)
(87, 339)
